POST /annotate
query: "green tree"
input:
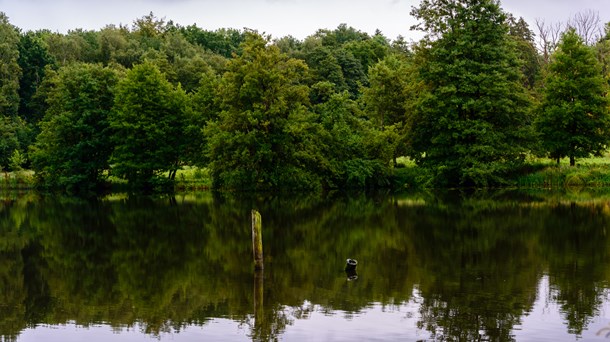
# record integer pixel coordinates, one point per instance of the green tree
(9, 138)
(531, 65)
(574, 120)
(471, 122)
(260, 138)
(391, 96)
(10, 72)
(324, 67)
(355, 154)
(225, 42)
(74, 145)
(33, 59)
(149, 121)
(369, 51)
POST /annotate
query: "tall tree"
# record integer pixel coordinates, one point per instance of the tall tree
(33, 59)
(10, 72)
(391, 96)
(74, 146)
(574, 120)
(526, 49)
(149, 120)
(260, 139)
(472, 121)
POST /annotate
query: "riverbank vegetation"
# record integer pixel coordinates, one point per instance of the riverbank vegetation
(481, 101)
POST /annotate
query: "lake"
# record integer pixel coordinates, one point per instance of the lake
(431, 266)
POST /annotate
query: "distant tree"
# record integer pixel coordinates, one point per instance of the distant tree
(74, 145)
(369, 51)
(260, 139)
(10, 72)
(471, 125)
(574, 120)
(352, 69)
(531, 63)
(324, 66)
(401, 46)
(149, 26)
(391, 96)
(548, 37)
(353, 153)
(588, 26)
(288, 45)
(33, 59)
(224, 42)
(149, 120)
(206, 107)
(119, 45)
(341, 35)
(10, 127)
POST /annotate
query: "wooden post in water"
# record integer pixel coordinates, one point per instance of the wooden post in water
(257, 239)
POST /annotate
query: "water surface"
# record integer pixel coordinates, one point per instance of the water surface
(508, 266)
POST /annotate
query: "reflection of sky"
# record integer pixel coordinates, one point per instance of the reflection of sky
(546, 323)
(376, 323)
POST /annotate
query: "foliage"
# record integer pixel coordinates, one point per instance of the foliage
(391, 96)
(339, 106)
(471, 124)
(75, 143)
(263, 123)
(531, 64)
(33, 59)
(574, 116)
(8, 139)
(148, 121)
(354, 152)
(10, 72)
(17, 161)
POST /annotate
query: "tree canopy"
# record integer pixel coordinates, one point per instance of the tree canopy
(149, 119)
(263, 102)
(471, 123)
(75, 142)
(340, 108)
(574, 121)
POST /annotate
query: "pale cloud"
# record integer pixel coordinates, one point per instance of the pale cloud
(299, 18)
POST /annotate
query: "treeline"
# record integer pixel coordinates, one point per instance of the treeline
(468, 103)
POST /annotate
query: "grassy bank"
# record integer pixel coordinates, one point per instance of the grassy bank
(537, 174)
(193, 178)
(554, 177)
(17, 180)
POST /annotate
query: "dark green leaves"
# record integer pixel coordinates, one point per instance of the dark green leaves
(574, 120)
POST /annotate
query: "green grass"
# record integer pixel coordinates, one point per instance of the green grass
(193, 178)
(537, 174)
(544, 173)
(17, 179)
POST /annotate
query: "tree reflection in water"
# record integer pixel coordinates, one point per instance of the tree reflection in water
(167, 263)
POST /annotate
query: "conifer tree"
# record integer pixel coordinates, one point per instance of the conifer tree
(471, 125)
(574, 120)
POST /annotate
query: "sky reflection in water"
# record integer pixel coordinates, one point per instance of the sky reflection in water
(528, 267)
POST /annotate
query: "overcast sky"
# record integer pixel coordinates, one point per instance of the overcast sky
(298, 18)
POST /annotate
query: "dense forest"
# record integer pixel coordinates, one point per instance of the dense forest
(468, 104)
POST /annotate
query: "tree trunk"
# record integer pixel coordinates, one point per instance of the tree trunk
(572, 161)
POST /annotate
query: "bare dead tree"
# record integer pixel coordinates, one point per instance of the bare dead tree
(588, 25)
(548, 37)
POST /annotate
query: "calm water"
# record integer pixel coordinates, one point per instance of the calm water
(525, 267)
